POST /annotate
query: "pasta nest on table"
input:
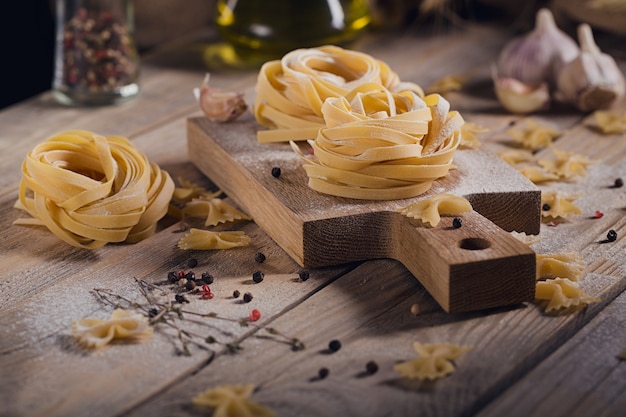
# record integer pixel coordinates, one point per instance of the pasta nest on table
(372, 135)
(90, 189)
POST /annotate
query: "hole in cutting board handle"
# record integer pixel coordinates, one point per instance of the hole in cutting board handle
(474, 243)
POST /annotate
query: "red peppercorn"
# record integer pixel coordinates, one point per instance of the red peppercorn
(597, 215)
(254, 315)
(206, 294)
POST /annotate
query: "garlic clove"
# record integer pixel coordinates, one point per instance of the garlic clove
(520, 98)
(535, 58)
(592, 81)
(219, 105)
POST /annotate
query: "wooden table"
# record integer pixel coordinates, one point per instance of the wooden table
(523, 362)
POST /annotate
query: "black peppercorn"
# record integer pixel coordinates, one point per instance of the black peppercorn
(259, 258)
(172, 276)
(276, 172)
(192, 263)
(371, 367)
(190, 275)
(180, 298)
(611, 236)
(207, 278)
(619, 183)
(546, 207)
(236, 294)
(153, 312)
(247, 297)
(334, 345)
(457, 223)
(323, 373)
(190, 285)
(258, 276)
(304, 275)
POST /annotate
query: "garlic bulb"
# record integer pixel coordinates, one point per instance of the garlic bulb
(218, 105)
(535, 58)
(592, 80)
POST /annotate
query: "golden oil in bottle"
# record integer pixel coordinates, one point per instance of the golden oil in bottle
(271, 28)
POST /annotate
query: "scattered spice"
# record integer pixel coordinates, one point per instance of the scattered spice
(304, 275)
(371, 367)
(255, 315)
(457, 222)
(334, 345)
(546, 207)
(276, 172)
(415, 309)
(190, 275)
(552, 224)
(190, 285)
(259, 258)
(206, 293)
(172, 277)
(597, 215)
(258, 276)
(247, 297)
(619, 183)
(207, 278)
(323, 373)
(181, 298)
(192, 263)
(611, 236)
(236, 294)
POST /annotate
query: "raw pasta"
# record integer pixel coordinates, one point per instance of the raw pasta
(290, 92)
(566, 164)
(205, 239)
(562, 294)
(90, 189)
(533, 135)
(429, 210)
(609, 122)
(381, 145)
(123, 324)
(526, 239)
(564, 265)
(434, 361)
(232, 401)
(215, 210)
(469, 135)
(537, 174)
(515, 156)
(560, 205)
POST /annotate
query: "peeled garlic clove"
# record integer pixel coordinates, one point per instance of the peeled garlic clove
(518, 97)
(218, 105)
(591, 81)
(535, 58)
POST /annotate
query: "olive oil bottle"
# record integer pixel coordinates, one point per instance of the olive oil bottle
(271, 28)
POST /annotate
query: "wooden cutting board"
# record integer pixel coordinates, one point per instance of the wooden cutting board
(475, 267)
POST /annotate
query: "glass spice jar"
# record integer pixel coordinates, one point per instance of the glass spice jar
(96, 61)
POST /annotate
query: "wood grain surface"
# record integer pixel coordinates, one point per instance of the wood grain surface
(522, 362)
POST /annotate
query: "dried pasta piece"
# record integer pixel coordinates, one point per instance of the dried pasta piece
(562, 294)
(429, 210)
(90, 190)
(446, 84)
(533, 135)
(199, 239)
(558, 205)
(566, 165)
(188, 190)
(516, 156)
(564, 265)
(537, 174)
(434, 361)
(232, 401)
(609, 122)
(382, 145)
(123, 324)
(290, 92)
(469, 135)
(215, 210)
(526, 239)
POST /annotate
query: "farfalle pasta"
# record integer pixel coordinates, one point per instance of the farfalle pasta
(123, 324)
(290, 92)
(562, 294)
(199, 239)
(564, 265)
(232, 401)
(537, 174)
(430, 210)
(558, 205)
(566, 165)
(215, 210)
(434, 361)
(90, 190)
(532, 135)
